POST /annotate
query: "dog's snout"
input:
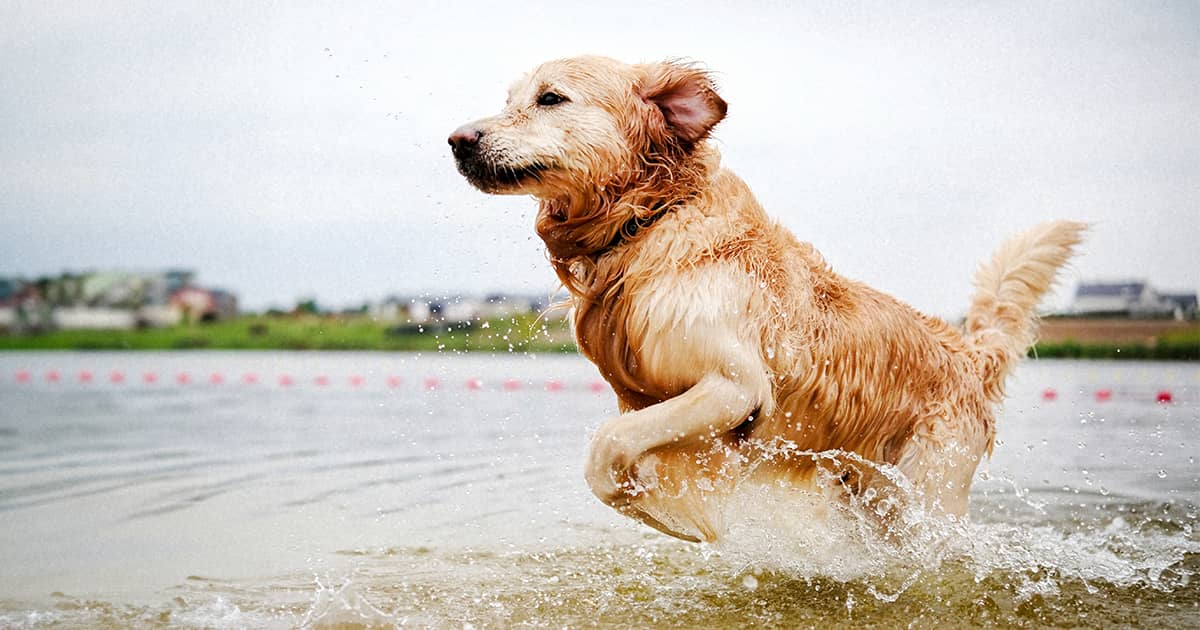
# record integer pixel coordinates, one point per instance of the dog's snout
(464, 140)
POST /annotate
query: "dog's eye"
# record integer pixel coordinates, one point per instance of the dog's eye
(550, 98)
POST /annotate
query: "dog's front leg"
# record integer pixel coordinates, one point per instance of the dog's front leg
(713, 406)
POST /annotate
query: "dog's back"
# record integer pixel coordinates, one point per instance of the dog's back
(854, 370)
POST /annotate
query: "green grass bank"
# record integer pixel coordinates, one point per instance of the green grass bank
(524, 333)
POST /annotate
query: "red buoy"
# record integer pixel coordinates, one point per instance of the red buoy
(1049, 394)
(1103, 395)
(1164, 396)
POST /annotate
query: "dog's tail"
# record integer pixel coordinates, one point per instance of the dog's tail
(1001, 324)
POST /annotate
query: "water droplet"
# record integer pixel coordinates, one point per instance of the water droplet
(1162, 474)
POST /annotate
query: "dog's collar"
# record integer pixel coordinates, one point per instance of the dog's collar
(634, 225)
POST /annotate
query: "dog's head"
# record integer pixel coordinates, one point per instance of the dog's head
(581, 126)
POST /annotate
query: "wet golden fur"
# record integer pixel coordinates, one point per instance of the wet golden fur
(727, 340)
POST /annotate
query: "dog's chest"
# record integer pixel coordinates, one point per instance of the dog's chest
(666, 326)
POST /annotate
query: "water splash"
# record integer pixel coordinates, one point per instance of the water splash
(801, 534)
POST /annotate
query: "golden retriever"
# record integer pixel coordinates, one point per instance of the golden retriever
(731, 345)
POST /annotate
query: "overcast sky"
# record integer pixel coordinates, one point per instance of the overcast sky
(287, 151)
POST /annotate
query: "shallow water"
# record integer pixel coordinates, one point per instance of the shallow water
(375, 490)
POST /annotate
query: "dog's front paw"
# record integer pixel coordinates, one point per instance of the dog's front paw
(607, 471)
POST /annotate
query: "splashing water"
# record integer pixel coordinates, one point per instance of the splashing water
(801, 534)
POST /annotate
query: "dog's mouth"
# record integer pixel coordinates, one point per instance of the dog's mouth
(516, 175)
(491, 177)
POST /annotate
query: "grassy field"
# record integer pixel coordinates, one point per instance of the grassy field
(526, 333)
(1182, 345)
(1116, 338)
(523, 333)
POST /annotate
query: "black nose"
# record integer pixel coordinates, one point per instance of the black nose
(464, 140)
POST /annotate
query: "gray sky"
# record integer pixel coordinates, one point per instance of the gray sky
(283, 152)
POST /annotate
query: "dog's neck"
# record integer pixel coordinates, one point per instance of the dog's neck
(636, 225)
(584, 224)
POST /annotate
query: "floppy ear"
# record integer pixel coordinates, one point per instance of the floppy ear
(686, 98)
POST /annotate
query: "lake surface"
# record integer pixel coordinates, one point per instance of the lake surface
(279, 490)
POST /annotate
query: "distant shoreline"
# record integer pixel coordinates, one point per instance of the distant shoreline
(521, 333)
(1061, 337)
(1117, 338)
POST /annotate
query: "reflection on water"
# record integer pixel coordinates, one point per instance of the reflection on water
(367, 499)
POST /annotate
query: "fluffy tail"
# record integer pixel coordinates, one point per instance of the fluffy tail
(1001, 325)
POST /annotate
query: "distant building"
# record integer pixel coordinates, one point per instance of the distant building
(23, 307)
(400, 310)
(502, 305)
(391, 309)
(119, 289)
(197, 304)
(94, 318)
(9, 287)
(454, 309)
(1185, 305)
(109, 300)
(1135, 299)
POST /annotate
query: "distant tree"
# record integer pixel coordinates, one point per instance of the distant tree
(70, 289)
(306, 306)
(44, 285)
